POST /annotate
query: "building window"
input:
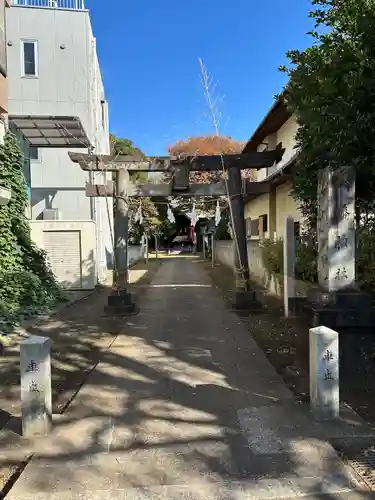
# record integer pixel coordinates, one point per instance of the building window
(248, 227)
(278, 147)
(34, 153)
(252, 227)
(264, 219)
(29, 58)
(102, 107)
(271, 170)
(255, 227)
(3, 47)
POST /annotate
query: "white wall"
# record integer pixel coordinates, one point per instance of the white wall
(134, 254)
(273, 284)
(224, 252)
(262, 173)
(286, 134)
(63, 85)
(88, 246)
(69, 83)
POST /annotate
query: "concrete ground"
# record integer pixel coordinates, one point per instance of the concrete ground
(79, 332)
(184, 405)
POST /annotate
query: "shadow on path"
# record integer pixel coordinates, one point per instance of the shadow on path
(184, 400)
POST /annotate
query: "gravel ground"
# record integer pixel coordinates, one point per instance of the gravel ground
(285, 342)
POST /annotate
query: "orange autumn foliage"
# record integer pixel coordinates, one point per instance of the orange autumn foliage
(205, 146)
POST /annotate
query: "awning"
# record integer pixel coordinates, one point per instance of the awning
(52, 131)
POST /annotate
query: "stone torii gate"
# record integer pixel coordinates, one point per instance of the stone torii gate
(179, 168)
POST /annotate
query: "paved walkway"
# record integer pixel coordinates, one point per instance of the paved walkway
(186, 406)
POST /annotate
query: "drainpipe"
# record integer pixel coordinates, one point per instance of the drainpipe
(102, 255)
(92, 200)
(93, 216)
(92, 87)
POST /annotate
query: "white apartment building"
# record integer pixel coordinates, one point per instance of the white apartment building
(57, 104)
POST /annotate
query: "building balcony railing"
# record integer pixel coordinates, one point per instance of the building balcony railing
(52, 4)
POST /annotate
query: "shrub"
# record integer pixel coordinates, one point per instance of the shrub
(27, 284)
(365, 257)
(272, 255)
(306, 266)
(306, 259)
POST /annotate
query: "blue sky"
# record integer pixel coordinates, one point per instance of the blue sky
(149, 51)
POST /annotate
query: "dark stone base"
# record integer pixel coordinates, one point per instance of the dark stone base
(246, 301)
(121, 310)
(121, 304)
(342, 311)
(297, 304)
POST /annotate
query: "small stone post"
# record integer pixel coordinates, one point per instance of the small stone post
(157, 246)
(36, 392)
(289, 261)
(213, 250)
(324, 373)
(146, 249)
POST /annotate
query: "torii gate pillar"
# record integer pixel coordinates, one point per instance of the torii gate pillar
(121, 226)
(244, 298)
(120, 301)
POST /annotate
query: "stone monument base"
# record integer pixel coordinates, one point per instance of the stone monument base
(351, 313)
(297, 304)
(246, 301)
(343, 310)
(121, 304)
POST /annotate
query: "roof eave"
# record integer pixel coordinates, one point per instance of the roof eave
(258, 134)
(276, 179)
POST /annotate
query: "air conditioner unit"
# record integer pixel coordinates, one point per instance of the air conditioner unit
(51, 214)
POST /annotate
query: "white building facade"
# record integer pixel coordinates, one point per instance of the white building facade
(57, 101)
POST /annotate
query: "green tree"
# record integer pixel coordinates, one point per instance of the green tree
(151, 215)
(122, 146)
(26, 282)
(331, 90)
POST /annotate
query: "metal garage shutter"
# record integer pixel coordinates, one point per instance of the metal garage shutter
(63, 249)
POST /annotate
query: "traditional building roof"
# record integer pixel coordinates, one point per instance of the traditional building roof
(271, 123)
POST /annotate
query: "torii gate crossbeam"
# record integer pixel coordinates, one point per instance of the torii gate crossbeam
(121, 302)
